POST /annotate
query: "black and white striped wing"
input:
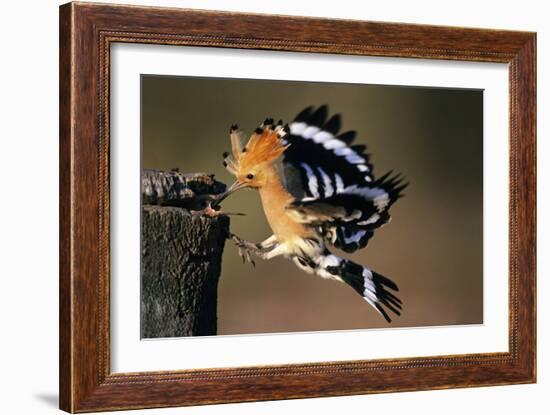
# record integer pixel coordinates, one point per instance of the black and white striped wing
(349, 218)
(340, 195)
(320, 161)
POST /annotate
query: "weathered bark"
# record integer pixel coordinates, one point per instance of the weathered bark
(181, 255)
(172, 188)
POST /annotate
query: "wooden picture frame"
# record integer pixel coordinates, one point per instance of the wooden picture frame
(86, 33)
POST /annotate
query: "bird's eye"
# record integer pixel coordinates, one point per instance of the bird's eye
(249, 176)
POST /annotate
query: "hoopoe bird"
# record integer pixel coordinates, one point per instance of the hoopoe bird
(324, 195)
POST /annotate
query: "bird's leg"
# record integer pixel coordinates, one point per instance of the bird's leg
(269, 242)
(246, 248)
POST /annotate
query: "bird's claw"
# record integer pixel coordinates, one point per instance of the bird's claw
(245, 248)
(245, 255)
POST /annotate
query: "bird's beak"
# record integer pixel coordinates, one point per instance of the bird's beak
(233, 188)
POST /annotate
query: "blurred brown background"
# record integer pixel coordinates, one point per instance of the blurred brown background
(433, 246)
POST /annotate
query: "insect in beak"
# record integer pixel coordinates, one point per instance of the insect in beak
(233, 188)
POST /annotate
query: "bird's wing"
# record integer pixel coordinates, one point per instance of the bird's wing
(349, 218)
(340, 195)
(320, 161)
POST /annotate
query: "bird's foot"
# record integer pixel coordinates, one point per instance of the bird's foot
(246, 248)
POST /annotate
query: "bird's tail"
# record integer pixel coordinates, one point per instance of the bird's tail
(373, 287)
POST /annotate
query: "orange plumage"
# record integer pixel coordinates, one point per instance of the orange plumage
(253, 165)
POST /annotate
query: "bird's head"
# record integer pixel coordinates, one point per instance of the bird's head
(252, 164)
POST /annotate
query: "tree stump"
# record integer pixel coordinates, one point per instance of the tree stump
(181, 255)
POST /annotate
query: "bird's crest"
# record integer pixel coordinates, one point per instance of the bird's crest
(265, 145)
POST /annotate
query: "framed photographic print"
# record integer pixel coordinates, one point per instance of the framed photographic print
(260, 207)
